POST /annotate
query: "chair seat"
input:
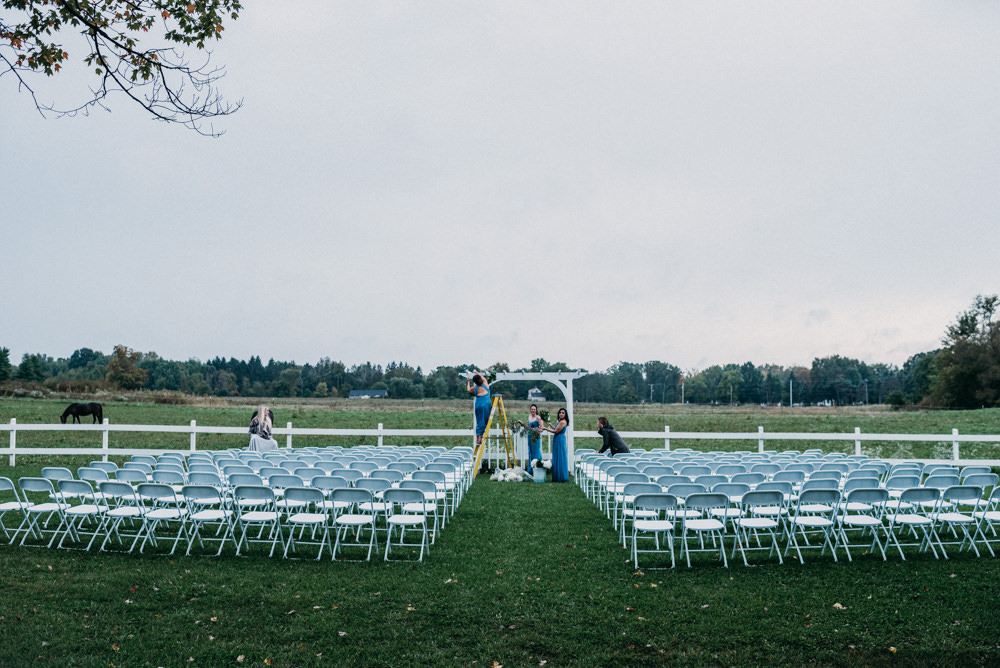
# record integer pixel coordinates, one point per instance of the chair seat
(704, 524)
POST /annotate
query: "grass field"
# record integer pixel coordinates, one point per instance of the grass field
(524, 575)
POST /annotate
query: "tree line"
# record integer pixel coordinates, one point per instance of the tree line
(963, 373)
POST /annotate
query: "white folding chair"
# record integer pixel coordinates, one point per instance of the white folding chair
(815, 515)
(161, 507)
(349, 519)
(863, 516)
(912, 517)
(950, 518)
(80, 507)
(705, 526)
(407, 512)
(309, 514)
(254, 507)
(7, 505)
(38, 508)
(207, 508)
(123, 508)
(760, 512)
(654, 524)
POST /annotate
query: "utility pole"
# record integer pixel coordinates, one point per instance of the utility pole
(791, 402)
(651, 393)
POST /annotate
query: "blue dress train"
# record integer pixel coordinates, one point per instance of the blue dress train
(560, 461)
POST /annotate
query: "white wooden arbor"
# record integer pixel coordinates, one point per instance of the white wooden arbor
(561, 379)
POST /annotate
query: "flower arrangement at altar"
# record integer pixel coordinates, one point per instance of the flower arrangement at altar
(541, 464)
(516, 474)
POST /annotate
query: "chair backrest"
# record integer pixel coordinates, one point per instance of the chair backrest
(144, 459)
(117, 490)
(826, 474)
(138, 466)
(706, 501)
(672, 479)
(875, 496)
(686, 489)
(247, 479)
(133, 476)
(635, 488)
(809, 497)
(751, 479)
(110, 467)
(75, 488)
(766, 469)
(790, 475)
(373, 485)
(258, 494)
(625, 478)
(962, 493)
(760, 498)
(974, 468)
(941, 481)
(57, 473)
(658, 501)
(402, 467)
(204, 478)
(732, 490)
(821, 483)
(169, 477)
(155, 491)
(351, 495)
(92, 473)
(859, 483)
(919, 496)
(433, 476)
(984, 480)
(309, 495)
(403, 495)
(783, 487)
(711, 479)
(285, 480)
(328, 482)
(693, 470)
(425, 486)
(201, 493)
(388, 475)
(900, 481)
(363, 466)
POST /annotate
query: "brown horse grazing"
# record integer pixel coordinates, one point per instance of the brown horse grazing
(76, 410)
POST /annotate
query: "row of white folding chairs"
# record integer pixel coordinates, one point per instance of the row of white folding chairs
(84, 512)
(817, 519)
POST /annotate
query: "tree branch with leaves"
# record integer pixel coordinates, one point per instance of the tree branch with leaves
(132, 47)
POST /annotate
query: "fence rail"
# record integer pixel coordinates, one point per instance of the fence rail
(666, 437)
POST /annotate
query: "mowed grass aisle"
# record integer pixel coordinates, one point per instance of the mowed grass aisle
(524, 575)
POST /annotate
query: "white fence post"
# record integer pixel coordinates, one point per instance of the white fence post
(760, 439)
(288, 438)
(666, 439)
(857, 441)
(104, 441)
(194, 437)
(13, 439)
(954, 445)
(380, 433)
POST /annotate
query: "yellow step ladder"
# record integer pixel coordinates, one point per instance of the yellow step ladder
(497, 411)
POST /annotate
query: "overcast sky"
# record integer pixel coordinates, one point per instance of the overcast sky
(473, 182)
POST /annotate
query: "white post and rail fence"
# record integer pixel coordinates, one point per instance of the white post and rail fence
(945, 447)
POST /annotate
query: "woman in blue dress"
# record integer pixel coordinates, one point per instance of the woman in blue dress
(480, 389)
(560, 461)
(535, 424)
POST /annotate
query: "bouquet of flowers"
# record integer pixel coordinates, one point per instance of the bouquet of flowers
(541, 464)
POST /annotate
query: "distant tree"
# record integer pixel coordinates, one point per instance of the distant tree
(82, 357)
(288, 382)
(665, 379)
(123, 369)
(321, 390)
(968, 367)
(133, 47)
(31, 369)
(6, 370)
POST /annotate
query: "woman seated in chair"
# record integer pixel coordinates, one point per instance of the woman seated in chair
(261, 424)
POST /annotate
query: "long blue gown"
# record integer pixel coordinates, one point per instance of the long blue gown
(482, 410)
(534, 445)
(560, 461)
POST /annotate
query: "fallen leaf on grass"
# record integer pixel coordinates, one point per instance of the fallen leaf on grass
(241, 658)
(838, 606)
